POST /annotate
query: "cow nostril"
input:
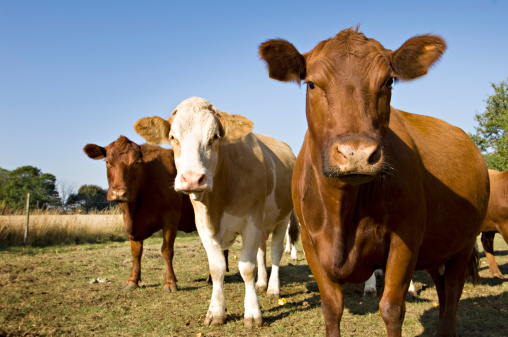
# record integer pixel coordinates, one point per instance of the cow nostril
(201, 179)
(375, 157)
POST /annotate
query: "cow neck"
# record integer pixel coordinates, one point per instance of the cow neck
(344, 210)
(130, 210)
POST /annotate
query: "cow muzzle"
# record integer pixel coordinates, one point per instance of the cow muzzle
(118, 195)
(354, 160)
(191, 182)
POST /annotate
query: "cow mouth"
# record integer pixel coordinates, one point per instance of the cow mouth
(355, 179)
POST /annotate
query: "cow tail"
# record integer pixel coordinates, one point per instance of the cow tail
(474, 266)
(294, 228)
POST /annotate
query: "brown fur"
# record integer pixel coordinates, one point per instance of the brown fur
(496, 220)
(144, 174)
(376, 187)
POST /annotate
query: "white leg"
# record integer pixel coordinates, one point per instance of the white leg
(251, 237)
(216, 314)
(262, 281)
(412, 289)
(370, 286)
(288, 243)
(276, 254)
(294, 253)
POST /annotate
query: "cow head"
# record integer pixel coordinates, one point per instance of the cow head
(195, 130)
(124, 160)
(349, 81)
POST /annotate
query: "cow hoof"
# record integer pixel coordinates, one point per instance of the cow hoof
(261, 288)
(129, 287)
(211, 320)
(498, 275)
(253, 322)
(272, 294)
(170, 289)
(370, 293)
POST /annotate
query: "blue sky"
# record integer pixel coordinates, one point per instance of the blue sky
(79, 72)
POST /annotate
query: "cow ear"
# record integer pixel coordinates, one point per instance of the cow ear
(94, 151)
(234, 127)
(284, 61)
(417, 55)
(154, 130)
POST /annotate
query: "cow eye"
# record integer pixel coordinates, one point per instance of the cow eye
(310, 85)
(390, 82)
(214, 138)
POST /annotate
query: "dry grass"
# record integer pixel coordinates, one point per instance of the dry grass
(50, 290)
(48, 229)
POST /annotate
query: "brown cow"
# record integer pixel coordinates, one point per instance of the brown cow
(374, 186)
(496, 220)
(138, 178)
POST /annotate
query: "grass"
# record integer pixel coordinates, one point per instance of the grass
(74, 290)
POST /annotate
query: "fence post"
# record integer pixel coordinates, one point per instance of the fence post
(25, 238)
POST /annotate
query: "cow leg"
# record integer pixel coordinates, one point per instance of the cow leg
(167, 252)
(137, 252)
(287, 250)
(332, 302)
(370, 287)
(488, 247)
(251, 237)
(276, 254)
(216, 314)
(261, 283)
(454, 277)
(399, 269)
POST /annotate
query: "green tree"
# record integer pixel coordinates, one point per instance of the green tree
(491, 135)
(90, 197)
(15, 184)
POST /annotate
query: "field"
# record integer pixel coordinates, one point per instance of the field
(73, 289)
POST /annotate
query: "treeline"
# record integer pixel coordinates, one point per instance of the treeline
(46, 194)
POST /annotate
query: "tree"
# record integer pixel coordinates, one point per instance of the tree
(492, 131)
(90, 197)
(65, 189)
(15, 185)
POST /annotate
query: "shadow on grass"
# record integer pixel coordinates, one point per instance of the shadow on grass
(493, 320)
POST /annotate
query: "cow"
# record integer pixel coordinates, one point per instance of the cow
(239, 183)
(376, 187)
(496, 220)
(138, 176)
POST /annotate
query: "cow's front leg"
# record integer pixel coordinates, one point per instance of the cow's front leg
(137, 252)
(216, 314)
(167, 252)
(399, 269)
(332, 301)
(251, 237)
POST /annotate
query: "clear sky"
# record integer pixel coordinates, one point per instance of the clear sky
(78, 72)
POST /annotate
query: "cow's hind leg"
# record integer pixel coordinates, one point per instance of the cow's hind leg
(488, 247)
(137, 253)
(276, 254)
(262, 279)
(449, 285)
(251, 237)
(167, 252)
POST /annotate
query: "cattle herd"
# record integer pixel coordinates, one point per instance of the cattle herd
(373, 187)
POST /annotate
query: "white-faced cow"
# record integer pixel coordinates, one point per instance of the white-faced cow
(377, 187)
(138, 176)
(239, 183)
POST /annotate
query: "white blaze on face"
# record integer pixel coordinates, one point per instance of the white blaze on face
(194, 137)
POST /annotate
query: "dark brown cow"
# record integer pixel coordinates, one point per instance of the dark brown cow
(496, 220)
(138, 178)
(374, 186)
